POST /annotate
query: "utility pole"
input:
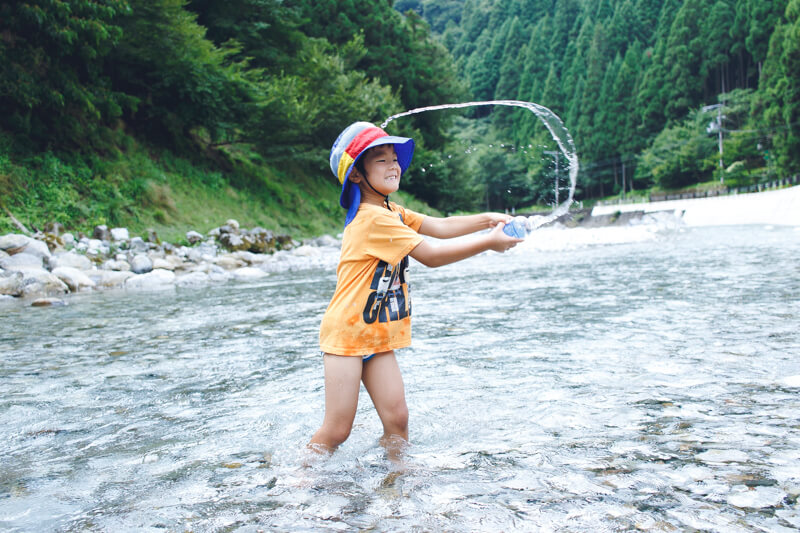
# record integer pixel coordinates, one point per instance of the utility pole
(717, 126)
(555, 155)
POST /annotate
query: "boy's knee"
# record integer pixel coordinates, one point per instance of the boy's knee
(339, 435)
(398, 418)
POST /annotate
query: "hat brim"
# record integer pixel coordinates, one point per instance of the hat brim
(350, 196)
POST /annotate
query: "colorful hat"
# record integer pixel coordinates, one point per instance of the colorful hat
(354, 141)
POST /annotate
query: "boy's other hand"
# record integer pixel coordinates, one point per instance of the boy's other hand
(499, 240)
(496, 218)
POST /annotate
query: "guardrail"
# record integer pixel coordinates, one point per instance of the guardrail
(722, 191)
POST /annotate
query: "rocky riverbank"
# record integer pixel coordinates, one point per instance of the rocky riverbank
(44, 267)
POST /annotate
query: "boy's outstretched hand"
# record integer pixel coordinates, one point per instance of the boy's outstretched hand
(501, 241)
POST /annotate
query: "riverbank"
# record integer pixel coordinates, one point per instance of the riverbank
(779, 207)
(45, 267)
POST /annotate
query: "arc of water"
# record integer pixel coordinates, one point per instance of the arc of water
(553, 124)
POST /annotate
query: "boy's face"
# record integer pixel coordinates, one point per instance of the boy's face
(382, 169)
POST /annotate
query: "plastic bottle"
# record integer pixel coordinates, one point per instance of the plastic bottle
(518, 227)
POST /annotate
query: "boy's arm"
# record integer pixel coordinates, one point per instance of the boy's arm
(446, 228)
(432, 255)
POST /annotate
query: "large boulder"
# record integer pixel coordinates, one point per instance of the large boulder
(192, 279)
(141, 264)
(137, 245)
(157, 279)
(110, 278)
(193, 237)
(37, 248)
(73, 278)
(101, 233)
(42, 283)
(117, 264)
(13, 243)
(21, 262)
(72, 260)
(120, 234)
(249, 274)
(11, 283)
(233, 242)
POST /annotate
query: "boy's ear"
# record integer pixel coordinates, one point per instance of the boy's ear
(355, 176)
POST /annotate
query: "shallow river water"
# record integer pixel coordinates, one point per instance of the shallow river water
(642, 378)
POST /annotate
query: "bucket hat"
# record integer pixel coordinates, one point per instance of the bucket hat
(357, 138)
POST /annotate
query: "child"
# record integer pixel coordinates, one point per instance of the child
(369, 315)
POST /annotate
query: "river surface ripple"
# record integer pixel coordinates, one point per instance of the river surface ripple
(631, 380)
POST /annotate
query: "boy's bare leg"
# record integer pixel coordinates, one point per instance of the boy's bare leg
(384, 383)
(342, 383)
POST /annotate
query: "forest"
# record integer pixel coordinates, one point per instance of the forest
(163, 113)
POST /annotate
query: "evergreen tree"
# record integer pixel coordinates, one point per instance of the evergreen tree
(53, 87)
(685, 48)
(780, 94)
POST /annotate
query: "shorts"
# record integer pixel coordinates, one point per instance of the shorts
(364, 358)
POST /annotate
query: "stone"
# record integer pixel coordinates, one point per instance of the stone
(137, 245)
(284, 242)
(161, 263)
(153, 237)
(13, 243)
(47, 302)
(97, 247)
(116, 264)
(326, 240)
(69, 239)
(193, 237)
(110, 278)
(233, 242)
(248, 274)
(21, 261)
(11, 283)
(233, 223)
(71, 259)
(157, 279)
(42, 283)
(192, 279)
(120, 234)
(228, 262)
(141, 264)
(249, 257)
(101, 233)
(37, 248)
(307, 251)
(176, 261)
(74, 278)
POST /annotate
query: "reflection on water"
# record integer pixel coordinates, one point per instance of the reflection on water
(573, 385)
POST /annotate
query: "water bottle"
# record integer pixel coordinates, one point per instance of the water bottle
(518, 227)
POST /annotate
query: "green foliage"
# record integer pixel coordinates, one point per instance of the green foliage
(625, 75)
(680, 155)
(52, 84)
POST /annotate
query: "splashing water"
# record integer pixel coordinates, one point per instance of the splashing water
(553, 124)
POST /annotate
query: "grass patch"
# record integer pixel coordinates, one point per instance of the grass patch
(143, 189)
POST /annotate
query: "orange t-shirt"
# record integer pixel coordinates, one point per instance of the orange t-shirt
(370, 311)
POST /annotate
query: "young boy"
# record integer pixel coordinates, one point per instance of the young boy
(369, 315)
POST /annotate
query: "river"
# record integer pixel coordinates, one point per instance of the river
(590, 380)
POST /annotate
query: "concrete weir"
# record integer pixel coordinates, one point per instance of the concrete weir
(779, 207)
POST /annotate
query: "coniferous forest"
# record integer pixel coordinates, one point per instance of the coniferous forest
(151, 112)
